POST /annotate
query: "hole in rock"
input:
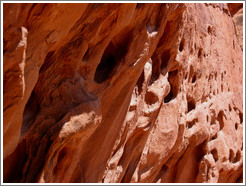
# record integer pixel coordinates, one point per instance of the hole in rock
(193, 79)
(105, 67)
(209, 29)
(213, 175)
(199, 53)
(181, 45)
(173, 79)
(231, 155)
(229, 107)
(241, 117)
(238, 157)
(236, 126)
(165, 58)
(169, 97)
(192, 123)
(214, 153)
(215, 136)
(150, 98)
(220, 119)
(191, 104)
(140, 83)
(113, 54)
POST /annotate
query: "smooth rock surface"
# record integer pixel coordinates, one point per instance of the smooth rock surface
(110, 93)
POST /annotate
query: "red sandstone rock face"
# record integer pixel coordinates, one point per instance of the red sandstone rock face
(122, 93)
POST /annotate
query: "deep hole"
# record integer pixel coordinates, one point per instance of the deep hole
(215, 136)
(220, 119)
(199, 52)
(207, 117)
(190, 104)
(150, 98)
(112, 55)
(209, 29)
(181, 45)
(105, 68)
(238, 157)
(229, 107)
(192, 74)
(165, 58)
(186, 75)
(241, 117)
(47, 62)
(192, 123)
(214, 152)
(174, 86)
(193, 79)
(140, 83)
(231, 155)
(169, 97)
(213, 175)
(236, 126)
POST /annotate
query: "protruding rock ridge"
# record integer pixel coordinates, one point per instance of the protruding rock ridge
(119, 93)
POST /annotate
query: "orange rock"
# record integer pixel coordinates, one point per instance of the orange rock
(111, 93)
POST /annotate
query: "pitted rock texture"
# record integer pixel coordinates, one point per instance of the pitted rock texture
(110, 93)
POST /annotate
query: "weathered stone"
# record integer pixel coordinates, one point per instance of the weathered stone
(123, 92)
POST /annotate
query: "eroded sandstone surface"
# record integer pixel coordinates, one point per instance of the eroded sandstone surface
(114, 93)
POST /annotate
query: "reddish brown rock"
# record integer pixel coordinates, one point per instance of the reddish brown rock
(122, 93)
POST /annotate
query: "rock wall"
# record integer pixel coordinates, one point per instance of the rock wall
(122, 93)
